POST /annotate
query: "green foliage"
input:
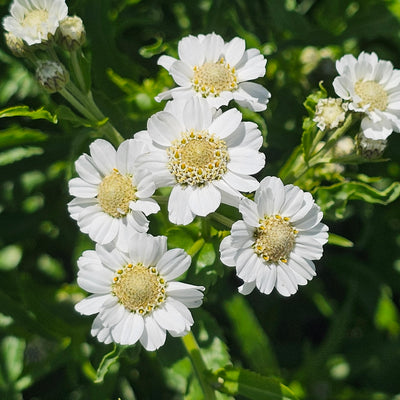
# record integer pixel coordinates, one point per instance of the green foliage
(237, 381)
(338, 338)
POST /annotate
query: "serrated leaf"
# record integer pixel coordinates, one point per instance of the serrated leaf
(334, 198)
(237, 381)
(25, 111)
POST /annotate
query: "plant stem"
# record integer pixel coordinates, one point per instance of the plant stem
(300, 167)
(194, 352)
(222, 219)
(77, 70)
(85, 104)
(75, 103)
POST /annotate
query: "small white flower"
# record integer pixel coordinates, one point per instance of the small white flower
(208, 67)
(330, 113)
(112, 195)
(33, 20)
(372, 87)
(206, 156)
(134, 292)
(275, 243)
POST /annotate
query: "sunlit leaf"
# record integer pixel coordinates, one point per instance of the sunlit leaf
(25, 111)
(238, 381)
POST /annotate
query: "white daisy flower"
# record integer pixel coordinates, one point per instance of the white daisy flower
(206, 156)
(112, 196)
(275, 243)
(134, 293)
(208, 67)
(34, 20)
(372, 87)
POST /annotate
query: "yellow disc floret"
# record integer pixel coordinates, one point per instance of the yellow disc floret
(115, 193)
(197, 158)
(372, 94)
(274, 239)
(139, 289)
(36, 19)
(212, 78)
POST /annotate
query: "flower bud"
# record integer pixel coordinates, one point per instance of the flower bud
(16, 45)
(330, 113)
(71, 33)
(370, 148)
(52, 76)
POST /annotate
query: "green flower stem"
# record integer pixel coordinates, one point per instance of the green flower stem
(78, 71)
(299, 167)
(75, 103)
(194, 352)
(85, 104)
(222, 219)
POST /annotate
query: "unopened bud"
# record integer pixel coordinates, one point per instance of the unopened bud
(71, 33)
(370, 148)
(52, 76)
(16, 45)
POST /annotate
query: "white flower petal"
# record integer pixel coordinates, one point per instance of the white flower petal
(104, 156)
(173, 263)
(226, 123)
(249, 211)
(247, 288)
(181, 73)
(92, 304)
(163, 128)
(204, 200)
(129, 329)
(87, 170)
(179, 210)
(153, 336)
(80, 188)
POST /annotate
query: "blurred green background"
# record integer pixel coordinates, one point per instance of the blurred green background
(337, 338)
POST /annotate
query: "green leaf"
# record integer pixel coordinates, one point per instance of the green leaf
(153, 49)
(24, 111)
(307, 140)
(237, 381)
(338, 240)
(108, 360)
(11, 360)
(16, 135)
(333, 199)
(66, 114)
(254, 343)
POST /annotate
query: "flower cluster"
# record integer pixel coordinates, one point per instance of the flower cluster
(207, 157)
(200, 153)
(367, 87)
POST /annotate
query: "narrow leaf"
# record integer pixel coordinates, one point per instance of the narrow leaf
(237, 381)
(24, 111)
(338, 240)
(108, 360)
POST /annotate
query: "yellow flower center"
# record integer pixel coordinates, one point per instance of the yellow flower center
(139, 289)
(212, 78)
(372, 94)
(115, 193)
(274, 239)
(197, 158)
(35, 18)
